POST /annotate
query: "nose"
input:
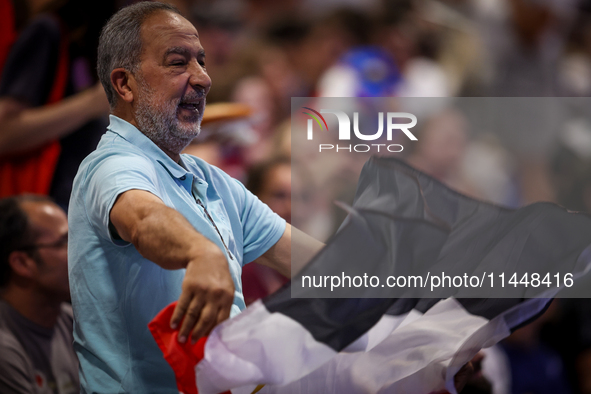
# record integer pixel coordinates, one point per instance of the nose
(199, 79)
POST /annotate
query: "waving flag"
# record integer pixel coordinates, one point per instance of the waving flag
(402, 223)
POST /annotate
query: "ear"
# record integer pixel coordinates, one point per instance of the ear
(22, 264)
(124, 84)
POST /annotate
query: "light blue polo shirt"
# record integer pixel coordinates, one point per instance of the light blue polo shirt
(115, 291)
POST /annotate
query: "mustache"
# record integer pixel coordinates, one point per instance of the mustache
(198, 94)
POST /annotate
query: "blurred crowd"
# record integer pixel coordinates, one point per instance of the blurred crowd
(261, 53)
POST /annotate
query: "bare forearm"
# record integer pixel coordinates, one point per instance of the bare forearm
(159, 233)
(278, 256)
(292, 252)
(32, 127)
(168, 239)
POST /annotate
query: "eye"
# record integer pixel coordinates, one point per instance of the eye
(177, 61)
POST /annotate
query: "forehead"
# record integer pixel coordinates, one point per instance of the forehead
(164, 29)
(45, 217)
(280, 173)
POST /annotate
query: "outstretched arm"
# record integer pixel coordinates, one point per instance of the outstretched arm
(23, 128)
(165, 237)
(280, 256)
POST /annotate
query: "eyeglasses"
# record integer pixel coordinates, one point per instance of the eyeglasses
(60, 243)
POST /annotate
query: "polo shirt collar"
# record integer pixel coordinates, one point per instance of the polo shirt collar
(131, 134)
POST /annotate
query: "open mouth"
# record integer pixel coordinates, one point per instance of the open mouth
(191, 106)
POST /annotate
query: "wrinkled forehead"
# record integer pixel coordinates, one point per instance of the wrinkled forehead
(165, 29)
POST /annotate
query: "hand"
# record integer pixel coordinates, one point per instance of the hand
(206, 297)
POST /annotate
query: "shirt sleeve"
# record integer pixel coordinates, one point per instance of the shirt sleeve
(15, 369)
(261, 227)
(30, 68)
(112, 177)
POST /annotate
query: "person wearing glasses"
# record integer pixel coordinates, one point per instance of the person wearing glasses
(36, 352)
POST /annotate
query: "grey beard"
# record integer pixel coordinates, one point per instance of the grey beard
(160, 124)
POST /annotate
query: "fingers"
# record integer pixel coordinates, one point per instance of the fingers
(179, 310)
(207, 321)
(206, 298)
(185, 307)
(192, 316)
(212, 314)
(224, 313)
(198, 313)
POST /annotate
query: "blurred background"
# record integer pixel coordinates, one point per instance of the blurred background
(261, 53)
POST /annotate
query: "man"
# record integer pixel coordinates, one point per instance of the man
(150, 226)
(36, 353)
(270, 181)
(50, 116)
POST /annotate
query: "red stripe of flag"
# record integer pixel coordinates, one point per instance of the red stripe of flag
(182, 357)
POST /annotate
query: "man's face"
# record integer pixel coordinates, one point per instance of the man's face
(172, 81)
(49, 222)
(276, 191)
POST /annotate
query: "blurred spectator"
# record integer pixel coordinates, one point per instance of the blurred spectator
(262, 54)
(523, 363)
(571, 166)
(361, 69)
(440, 149)
(14, 15)
(51, 110)
(525, 40)
(36, 352)
(535, 367)
(570, 332)
(283, 60)
(362, 72)
(257, 94)
(329, 38)
(270, 181)
(490, 170)
(258, 13)
(222, 32)
(575, 65)
(451, 38)
(415, 46)
(11, 16)
(282, 139)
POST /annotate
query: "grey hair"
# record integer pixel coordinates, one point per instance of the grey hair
(120, 43)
